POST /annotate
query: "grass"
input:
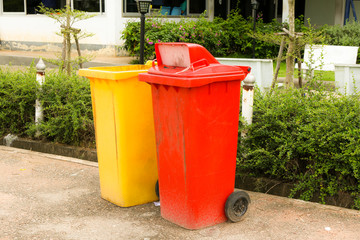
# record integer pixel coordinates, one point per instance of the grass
(323, 75)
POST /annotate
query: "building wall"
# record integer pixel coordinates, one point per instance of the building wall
(339, 12)
(320, 12)
(38, 32)
(329, 12)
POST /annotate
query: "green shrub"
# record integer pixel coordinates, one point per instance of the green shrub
(17, 100)
(203, 32)
(66, 102)
(222, 38)
(67, 110)
(265, 49)
(306, 137)
(154, 29)
(236, 28)
(347, 35)
(160, 29)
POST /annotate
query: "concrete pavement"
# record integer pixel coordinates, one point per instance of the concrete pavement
(25, 58)
(45, 196)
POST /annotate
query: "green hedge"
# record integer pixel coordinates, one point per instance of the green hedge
(222, 38)
(347, 35)
(232, 37)
(66, 102)
(67, 109)
(17, 100)
(310, 138)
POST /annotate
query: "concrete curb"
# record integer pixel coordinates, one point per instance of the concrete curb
(52, 156)
(52, 148)
(283, 189)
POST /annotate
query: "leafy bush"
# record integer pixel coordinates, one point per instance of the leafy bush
(159, 29)
(154, 30)
(17, 100)
(236, 29)
(220, 37)
(67, 109)
(265, 49)
(307, 137)
(203, 32)
(66, 102)
(347, 35)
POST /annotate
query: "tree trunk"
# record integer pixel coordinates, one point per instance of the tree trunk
(299, 68)
(290, 56)
(63, 55)
(78, 49)
(68, 38)
(278, 62)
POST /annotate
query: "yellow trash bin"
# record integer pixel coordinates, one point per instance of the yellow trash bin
(125, 136)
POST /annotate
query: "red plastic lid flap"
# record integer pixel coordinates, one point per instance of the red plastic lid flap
(181, 54)
(189, 65)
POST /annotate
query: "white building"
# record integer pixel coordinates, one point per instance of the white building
(22, 29)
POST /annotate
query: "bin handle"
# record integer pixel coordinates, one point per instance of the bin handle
(201, 63)
(154, 62)
(184, 70)
(195, 65)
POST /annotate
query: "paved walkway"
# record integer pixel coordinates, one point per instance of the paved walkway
(27, 57)
(45, 196)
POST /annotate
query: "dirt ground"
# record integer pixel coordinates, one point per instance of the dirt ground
(45, 196)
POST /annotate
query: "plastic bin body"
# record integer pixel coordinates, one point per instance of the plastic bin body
(125, 137)
(196, 125)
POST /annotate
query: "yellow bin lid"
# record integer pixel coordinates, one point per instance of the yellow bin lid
(116, 72)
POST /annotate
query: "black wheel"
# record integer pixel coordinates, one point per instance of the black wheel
(157, 189)
(236, 206)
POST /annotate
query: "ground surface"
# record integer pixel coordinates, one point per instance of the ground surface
(45, 196)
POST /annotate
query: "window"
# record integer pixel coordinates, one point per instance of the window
(29, 6)
(197, 6)
(13, 6)
(89, 5)
(170, 7)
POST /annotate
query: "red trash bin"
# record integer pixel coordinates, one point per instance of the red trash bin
(196, 114)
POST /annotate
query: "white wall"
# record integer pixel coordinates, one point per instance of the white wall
(347, 78)
(108, 26)
(339, 12)
(37, 32)
(41, 29)
(262, 69)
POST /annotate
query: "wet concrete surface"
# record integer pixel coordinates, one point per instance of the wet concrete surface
(45, 196)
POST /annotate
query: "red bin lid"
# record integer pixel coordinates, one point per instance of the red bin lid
(189, 65)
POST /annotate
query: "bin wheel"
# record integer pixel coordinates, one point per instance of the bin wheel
(236, 206)
(157, 189)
